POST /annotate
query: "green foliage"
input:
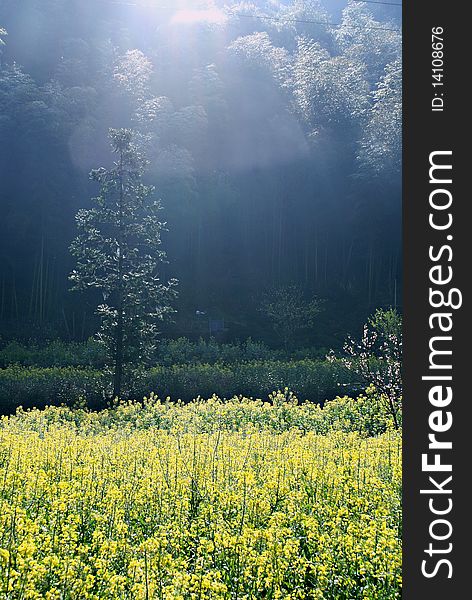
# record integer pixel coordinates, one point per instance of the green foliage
(386, 323)
(182, 351)
(133, 73)
(289, 312)
(330, 92)
(309, 379)
(168, 352)
(118, 252)
(380, 147)
(313, 380)
(54, 354)
(363, 39)
(29, 387)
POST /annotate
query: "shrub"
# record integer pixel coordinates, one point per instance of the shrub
(180, 351)
(30, 387)
(377, 357)
(314, 380)
(54, 354)
(309, 379)
(183, 351)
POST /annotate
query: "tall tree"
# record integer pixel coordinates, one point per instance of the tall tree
(118, 251)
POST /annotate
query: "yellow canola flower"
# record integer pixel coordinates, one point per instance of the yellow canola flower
(99, 511)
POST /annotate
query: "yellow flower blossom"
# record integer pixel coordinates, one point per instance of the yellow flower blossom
(106, 510)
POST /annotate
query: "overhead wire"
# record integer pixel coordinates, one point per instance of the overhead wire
(378, 2)
(274, 19)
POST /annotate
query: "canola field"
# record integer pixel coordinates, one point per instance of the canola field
(126, 505)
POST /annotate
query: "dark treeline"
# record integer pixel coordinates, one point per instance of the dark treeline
(274, 145)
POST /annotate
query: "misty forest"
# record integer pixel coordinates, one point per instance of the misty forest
(200, 299)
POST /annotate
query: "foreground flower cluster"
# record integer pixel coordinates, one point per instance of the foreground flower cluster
(110, 512)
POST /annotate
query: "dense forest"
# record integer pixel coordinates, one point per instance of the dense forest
(272, 132)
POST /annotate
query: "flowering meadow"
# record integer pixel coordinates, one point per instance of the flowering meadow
(241, 499)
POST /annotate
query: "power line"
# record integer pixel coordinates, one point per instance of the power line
(378, 2)
(266, 18)
(309, 22)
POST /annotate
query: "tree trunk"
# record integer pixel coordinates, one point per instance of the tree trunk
(393, 412)
(118, 375)
(118, 370)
